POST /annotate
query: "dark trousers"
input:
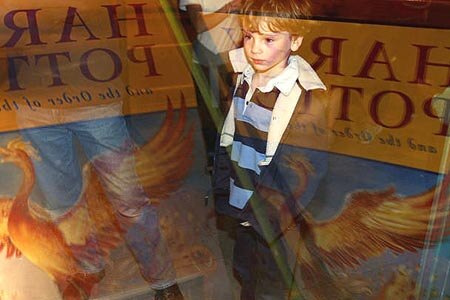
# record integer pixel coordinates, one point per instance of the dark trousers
(256, 268)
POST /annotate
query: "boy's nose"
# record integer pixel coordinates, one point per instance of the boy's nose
(256, 46)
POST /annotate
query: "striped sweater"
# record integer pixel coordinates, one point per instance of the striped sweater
(259, 137)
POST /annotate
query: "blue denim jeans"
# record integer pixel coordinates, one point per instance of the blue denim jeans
(58, 171)
(105, 143)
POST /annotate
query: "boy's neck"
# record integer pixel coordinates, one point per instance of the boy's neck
(262, 77)
(260, 80)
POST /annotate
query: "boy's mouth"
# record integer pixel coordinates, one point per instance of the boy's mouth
(257, 61)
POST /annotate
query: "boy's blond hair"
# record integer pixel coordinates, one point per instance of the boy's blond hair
(278, 15)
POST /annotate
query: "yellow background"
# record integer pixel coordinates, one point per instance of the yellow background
(398, 44)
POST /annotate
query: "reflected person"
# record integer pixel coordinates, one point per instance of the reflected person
(102, 134)
(217, 31)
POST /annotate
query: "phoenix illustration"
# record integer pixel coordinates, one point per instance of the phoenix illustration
(370, 223)
(56, 246)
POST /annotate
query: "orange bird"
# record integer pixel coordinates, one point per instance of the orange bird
(89, 231)
(369, 224)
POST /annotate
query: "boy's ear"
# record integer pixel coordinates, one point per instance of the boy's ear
(296, 42)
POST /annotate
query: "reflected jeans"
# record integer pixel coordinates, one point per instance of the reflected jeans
(106, 143)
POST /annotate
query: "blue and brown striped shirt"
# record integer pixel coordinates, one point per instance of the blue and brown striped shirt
(252, 120)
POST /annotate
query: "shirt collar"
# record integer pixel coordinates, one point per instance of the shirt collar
(284, 81)
(297, 69)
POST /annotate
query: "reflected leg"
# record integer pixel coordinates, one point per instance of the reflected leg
(58, 172)
(109, 148)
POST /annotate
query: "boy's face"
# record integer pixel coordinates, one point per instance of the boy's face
(268, 51)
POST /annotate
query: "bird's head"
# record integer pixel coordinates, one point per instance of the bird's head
(299, 162)
(16, 151)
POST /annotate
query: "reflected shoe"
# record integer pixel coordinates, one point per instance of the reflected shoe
(169, 293)
(79, 285)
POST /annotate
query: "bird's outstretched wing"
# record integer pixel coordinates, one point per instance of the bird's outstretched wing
(164, 161)
(91, 227)
(5, 241)
(373, 222)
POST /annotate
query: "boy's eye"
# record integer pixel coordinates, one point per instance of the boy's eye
(269, 40)
(247, 36)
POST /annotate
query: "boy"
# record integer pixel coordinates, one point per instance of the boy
(272, 147)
